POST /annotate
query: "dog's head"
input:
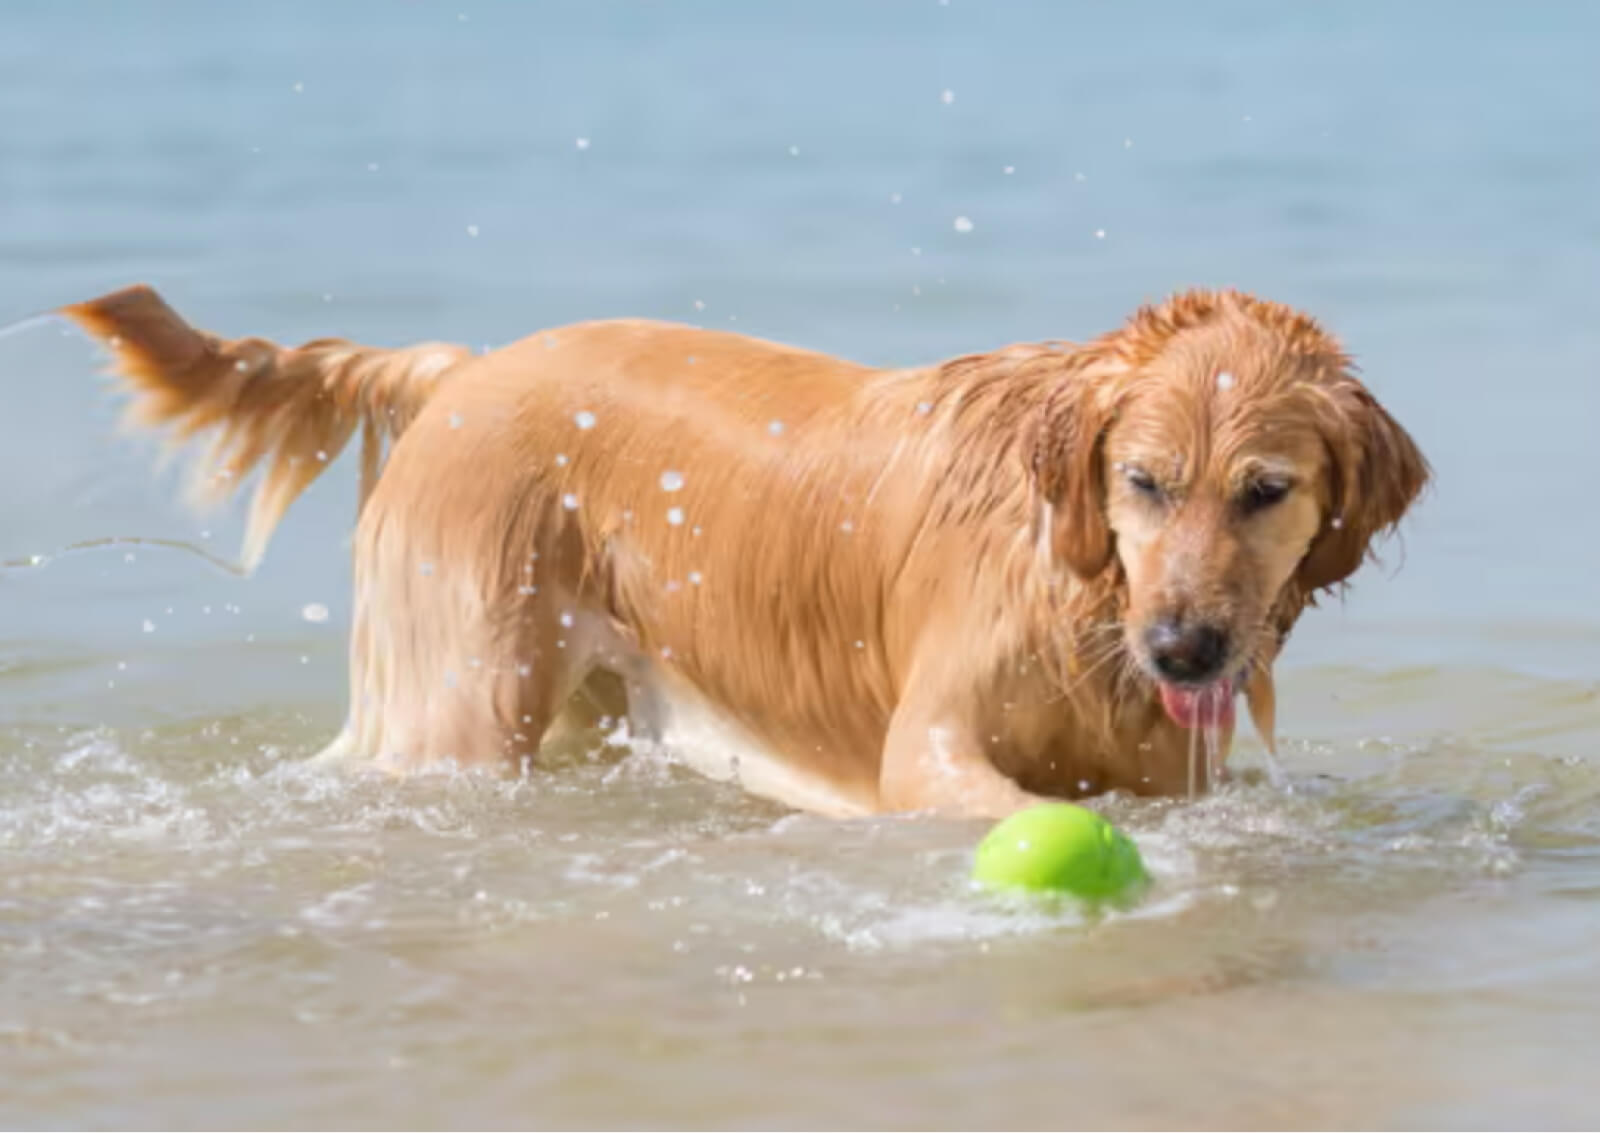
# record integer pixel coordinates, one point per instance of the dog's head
(1218, 453)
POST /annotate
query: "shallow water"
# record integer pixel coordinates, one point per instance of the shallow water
(197, 928)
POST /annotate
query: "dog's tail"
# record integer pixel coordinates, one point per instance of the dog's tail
(289, 410)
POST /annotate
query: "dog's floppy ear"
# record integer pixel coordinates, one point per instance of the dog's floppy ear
(1376, 471)
(1064, 450)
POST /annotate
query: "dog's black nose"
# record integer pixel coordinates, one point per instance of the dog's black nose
(1187, 652)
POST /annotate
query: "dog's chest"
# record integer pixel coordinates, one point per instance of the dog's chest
(1067, 745)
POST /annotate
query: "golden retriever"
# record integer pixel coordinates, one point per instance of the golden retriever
(1036, 571)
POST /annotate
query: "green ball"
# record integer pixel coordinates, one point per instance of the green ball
(1060, 848)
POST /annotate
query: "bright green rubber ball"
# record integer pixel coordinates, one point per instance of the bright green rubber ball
(1060, 848)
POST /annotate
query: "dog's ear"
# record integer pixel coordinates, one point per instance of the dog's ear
(1375, 471)
(1064, 449)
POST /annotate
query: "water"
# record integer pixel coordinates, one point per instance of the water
(196, 928)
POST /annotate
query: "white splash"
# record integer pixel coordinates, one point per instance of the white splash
(314, 612)
(671, 480)
(675, 516)
(584, 419)
(963, 224)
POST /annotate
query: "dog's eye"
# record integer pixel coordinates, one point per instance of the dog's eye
(1259, 495)
(1142, 482)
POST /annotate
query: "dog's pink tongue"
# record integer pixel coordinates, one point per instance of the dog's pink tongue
(1207, 707)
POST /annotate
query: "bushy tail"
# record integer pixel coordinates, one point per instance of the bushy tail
(288, 410)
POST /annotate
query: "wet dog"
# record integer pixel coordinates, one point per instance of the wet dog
(1035, 571)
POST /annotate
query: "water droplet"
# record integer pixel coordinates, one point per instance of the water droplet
(666, 651)
(584, 419)
(1336, 522)
(242, 365)
(1127, 143)
(426, 570)
(524, 670)
(582, 143)
(695, 578)
(675, 516)
(1009, 170)
(963, 224)
(1079, 177)
(566, 618)
(314, 612)
(472, 230)
(699, 304)
(895, 198)
(561, 460)
(149, 626)
(847, 526)
(299, 88)
(861, 645)
(671, 480)
(1099, 233)
(1224, 380)
(570, 502)
(924, 407)
(455, 420)
(774, 427)
(372, 167)
(794, 151)
(322, 457)
(947, 97)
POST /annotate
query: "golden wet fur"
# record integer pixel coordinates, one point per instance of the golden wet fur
(923, 588)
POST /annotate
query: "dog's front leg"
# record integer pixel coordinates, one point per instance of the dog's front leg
(934, 760)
